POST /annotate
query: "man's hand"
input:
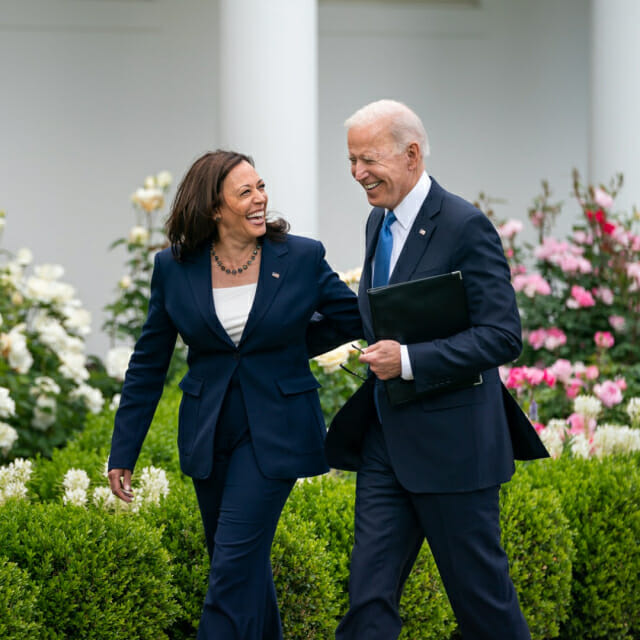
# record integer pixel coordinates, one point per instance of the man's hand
(120, 482)
(383, 358)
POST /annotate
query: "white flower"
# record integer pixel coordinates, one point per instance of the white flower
(587, 406)
(331, 360)
(3, 222)
(0, 319)
(612, 439)
(164, 179)
(11, 274)
(149, 182)
(13, 490)
(49, 290)
(75, 497)
(102, 497)
(92, 398)
(14, 344)
(45, 384)
(20, 470)
(125, 282)
(118, 361)
(580, 446)
(49, 272)
(7, 405)
(153, 485)
(633, 409)
(77, 319)
(553, 440)
(13, 479)
(44, 413)
(148, 199)
(8, 435)
(115, 402)
(24, 257)
(76, 479)
(73, 366)
(138, 235)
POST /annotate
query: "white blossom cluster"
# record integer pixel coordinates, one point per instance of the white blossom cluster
(633, 410)
(13, 479)
(587, 406)
(8, 435)
(117, 361)
(610, 439)
(152, 487)
(553, 437)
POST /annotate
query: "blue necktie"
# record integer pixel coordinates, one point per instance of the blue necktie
(382, 259)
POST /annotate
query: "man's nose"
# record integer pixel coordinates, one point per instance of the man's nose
(359, 171)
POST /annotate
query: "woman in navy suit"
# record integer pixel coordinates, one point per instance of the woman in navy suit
(241, 292)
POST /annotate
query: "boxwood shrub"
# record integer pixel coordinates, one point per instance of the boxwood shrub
(18, 596)
(98, 575)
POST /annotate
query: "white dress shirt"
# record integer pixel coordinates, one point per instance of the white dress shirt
(233, 305)
(406, 213)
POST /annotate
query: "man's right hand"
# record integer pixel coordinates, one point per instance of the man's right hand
(120, 482)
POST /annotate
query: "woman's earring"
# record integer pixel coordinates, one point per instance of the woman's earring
(217, 218)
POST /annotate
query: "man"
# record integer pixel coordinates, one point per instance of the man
(431, 468)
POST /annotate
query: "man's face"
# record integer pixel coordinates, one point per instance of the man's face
(386, 174)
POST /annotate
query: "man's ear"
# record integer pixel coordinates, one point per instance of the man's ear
(413, 155)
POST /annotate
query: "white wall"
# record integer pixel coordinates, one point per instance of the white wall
(96, 94)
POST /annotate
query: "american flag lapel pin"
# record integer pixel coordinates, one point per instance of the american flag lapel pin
(422, 231)
(275, 274)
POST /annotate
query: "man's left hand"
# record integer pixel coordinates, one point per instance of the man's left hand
(384, 359)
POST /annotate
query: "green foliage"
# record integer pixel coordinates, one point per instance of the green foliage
(18, 597)
(304, 584)
(99, 575)
(537, 538)
(601, 499)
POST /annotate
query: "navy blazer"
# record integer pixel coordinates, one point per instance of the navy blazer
(271, 361)
(456, 441)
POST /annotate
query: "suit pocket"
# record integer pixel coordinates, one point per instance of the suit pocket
(305, 426)
(460, 398)
(292, 386)
(188, 412)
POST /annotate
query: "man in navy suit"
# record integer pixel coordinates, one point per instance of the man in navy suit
(431, 468)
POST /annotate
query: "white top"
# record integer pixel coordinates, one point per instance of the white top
(232, 308)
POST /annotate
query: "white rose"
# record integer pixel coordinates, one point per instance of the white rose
(149, 182)
(24, 257)
(77, 319)
(115, 402)
(148, 199)
(125, 282)
(331, 360)
(118, 361)
(92, 398)
(138, 235)
(44, 413)
(49, 271)
(164, 179)
(8, 435)
(7, 405)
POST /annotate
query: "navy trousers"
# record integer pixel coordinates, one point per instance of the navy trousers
(240, 508)
(463, 531)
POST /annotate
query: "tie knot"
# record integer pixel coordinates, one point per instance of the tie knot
(390, 218)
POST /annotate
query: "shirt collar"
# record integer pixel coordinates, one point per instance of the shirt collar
(407, 210)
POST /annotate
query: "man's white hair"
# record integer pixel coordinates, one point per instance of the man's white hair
(406, 127)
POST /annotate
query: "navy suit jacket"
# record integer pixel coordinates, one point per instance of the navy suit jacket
(456, 441)
(272, 359)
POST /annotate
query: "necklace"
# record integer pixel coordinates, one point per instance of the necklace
(239, 270)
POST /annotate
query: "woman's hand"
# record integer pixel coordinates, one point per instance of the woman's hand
(120, 482)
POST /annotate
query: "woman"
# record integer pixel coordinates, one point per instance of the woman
(241, 292)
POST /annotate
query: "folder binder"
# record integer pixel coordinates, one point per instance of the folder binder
(420, 311)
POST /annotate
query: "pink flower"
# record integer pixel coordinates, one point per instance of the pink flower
(582, 237)
(538, 426)
(533, 375)
(537, 218)
(591, 372)
(622, 384)
(604, 294)
(602, 198)
(617, 323)
(555, 338)
(509, 229)
(531, 284)
(573, 388)
(549, 378)
(604, 339)
(580, 297)
(576, 420)
(537, 338)
(608, 393)
(562, 370)
(516, 378)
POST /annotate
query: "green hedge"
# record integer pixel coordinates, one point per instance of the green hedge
(18, 598)
(601, 499)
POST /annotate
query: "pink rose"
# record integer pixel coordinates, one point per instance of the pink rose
(604, 339)
(621, 383)
(533, 375)
(562, 370)
(617, 323)
(573, 388)
(580, 298)
(531, 284)
(509, 229)
(516, 378)
(602, 198)
(604, 293)
(537, 338)
(608, 393)
(555, 338)
(591, 372)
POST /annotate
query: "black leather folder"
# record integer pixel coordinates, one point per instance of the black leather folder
(420, 311)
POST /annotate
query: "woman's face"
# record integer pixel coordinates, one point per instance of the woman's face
(244, 204)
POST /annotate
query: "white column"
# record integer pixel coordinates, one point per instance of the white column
(268, 99)
(615, 96)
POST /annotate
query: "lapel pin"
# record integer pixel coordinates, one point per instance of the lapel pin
(422, 232)
(275, 275)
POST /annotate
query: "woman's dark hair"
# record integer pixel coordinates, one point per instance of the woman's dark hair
(190, 223)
